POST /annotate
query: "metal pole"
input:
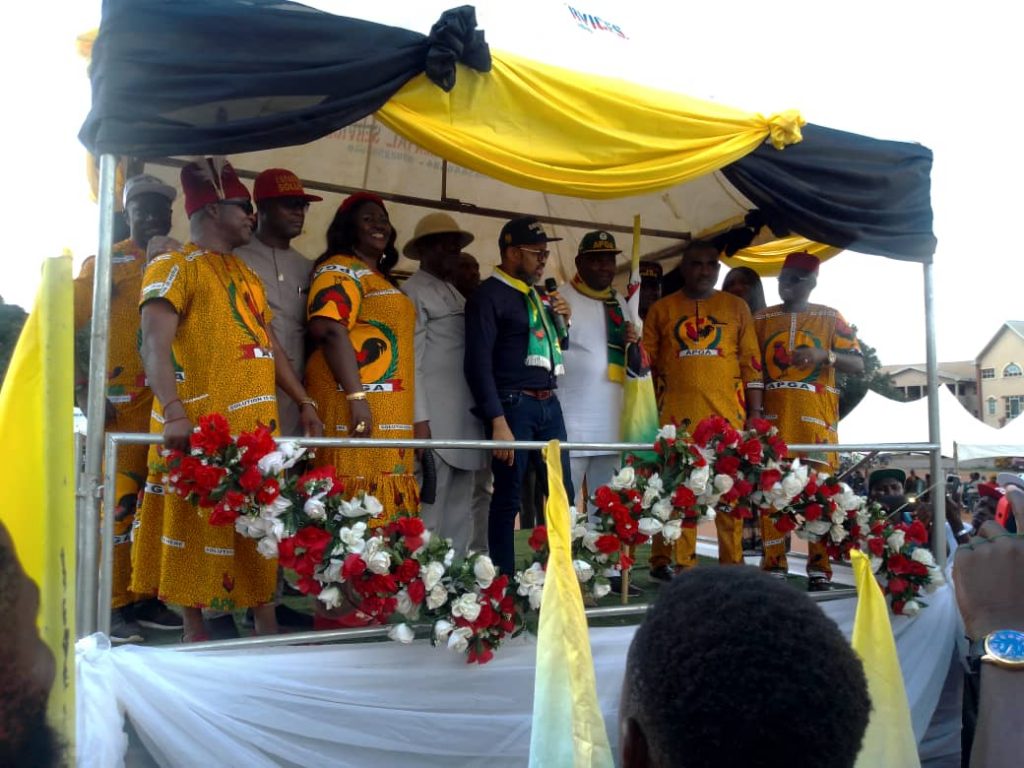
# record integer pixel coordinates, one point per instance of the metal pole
(79, 533)
(938, 497)
(105, 595)
(137, 438)
(97, 394)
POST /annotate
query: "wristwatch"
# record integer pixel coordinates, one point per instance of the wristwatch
(1002, 648)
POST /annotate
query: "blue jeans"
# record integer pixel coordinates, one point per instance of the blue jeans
(529, 419)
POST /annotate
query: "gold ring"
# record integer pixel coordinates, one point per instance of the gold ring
(361, 426)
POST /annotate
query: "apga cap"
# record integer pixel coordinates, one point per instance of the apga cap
(435, 224)
(650, 270)
(525, 230)
(597, 242)
(147, 185)
(803, 261)
(279, 182)
(209, 181)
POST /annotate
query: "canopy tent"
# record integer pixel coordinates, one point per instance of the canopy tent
(879, 419)
(441, 121)
(510, 134)
(1008, 441)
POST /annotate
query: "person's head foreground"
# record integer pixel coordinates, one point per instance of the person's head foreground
(718, 664)
(26, 670)
(524, 251)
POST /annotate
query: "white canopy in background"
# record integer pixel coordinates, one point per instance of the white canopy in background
(877, 419)
(381, 704)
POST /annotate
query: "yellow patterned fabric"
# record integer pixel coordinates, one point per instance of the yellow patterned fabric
(704, 357)
(381, 322)
(803, 402)
(126, 390)
(224, 364)
(555, 130)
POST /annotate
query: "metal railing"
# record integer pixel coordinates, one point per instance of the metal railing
(95, 587)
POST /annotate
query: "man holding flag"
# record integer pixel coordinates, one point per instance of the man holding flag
(595, 364)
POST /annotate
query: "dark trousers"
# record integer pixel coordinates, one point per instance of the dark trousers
(529, 419)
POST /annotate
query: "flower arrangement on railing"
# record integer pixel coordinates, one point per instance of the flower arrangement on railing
(337, 545)
(723, 470)
(396, 571)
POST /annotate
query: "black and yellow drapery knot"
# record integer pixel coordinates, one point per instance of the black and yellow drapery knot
(784, 128)
(454, 39)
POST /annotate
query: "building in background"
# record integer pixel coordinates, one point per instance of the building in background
(991, 387)
(960, 378)
(1000, 375)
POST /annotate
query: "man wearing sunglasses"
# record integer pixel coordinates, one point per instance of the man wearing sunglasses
(513, 360)
(208, 348)
(281, 204)
(803, 345)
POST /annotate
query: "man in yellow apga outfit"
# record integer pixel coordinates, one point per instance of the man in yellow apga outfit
(802, 346)
(208, 347)
(706, 362)
(147, 204)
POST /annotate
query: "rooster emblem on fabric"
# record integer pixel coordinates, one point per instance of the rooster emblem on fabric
(249, 318)
(376, 354)
(778, 357)
(335, 298)
(700, 334)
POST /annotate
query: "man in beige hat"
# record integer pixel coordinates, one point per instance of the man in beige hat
(281, 203)
(443, 399)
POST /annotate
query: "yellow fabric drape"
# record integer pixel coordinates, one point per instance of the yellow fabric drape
(37, 495)
(889, 739)
(555, 130)
(568, 728)
(766, 259)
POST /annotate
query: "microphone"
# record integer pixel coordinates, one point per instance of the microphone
(551, 287)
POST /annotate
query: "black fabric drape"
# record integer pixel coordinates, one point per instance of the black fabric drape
(844, 190)
(181, 77)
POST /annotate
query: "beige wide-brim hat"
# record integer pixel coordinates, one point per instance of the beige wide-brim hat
(434, 224)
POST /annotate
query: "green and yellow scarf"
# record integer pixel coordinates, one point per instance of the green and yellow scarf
(615, 325)
(542, 348)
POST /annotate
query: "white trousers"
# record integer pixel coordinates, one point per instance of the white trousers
(597, 471)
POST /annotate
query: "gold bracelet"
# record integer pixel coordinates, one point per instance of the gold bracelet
(309, 401)
(831, 358)
(355, 396)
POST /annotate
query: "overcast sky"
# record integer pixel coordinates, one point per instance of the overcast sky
(944, 76)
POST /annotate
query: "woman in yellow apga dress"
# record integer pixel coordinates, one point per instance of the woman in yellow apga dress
(362, 371)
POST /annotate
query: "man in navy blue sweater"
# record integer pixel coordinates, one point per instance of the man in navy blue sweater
(513, 359)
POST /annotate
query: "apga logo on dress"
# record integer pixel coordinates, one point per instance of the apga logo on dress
(593, 23)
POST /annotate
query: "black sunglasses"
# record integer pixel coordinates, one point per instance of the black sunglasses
(245, 205)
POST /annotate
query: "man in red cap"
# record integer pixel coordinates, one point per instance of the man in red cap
(207, 347)
(281, 205)
(802, 346)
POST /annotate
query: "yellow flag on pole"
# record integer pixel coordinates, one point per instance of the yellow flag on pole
(568, 729)
(37, 495)
(889, 739)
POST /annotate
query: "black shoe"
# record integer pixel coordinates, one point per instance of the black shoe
(153, 614)
(819, 584)
(222, 627)
(616, 585)
(776, 574)
(124, 629)
(661, 573)
(289, 617)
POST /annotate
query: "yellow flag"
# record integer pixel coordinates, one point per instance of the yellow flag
(37, 497)
(568, 729)
(889, 740)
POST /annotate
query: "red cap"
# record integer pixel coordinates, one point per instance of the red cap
(201, 185)
(279, 182)
(361, 197)
(990, 490)
(803, 261)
